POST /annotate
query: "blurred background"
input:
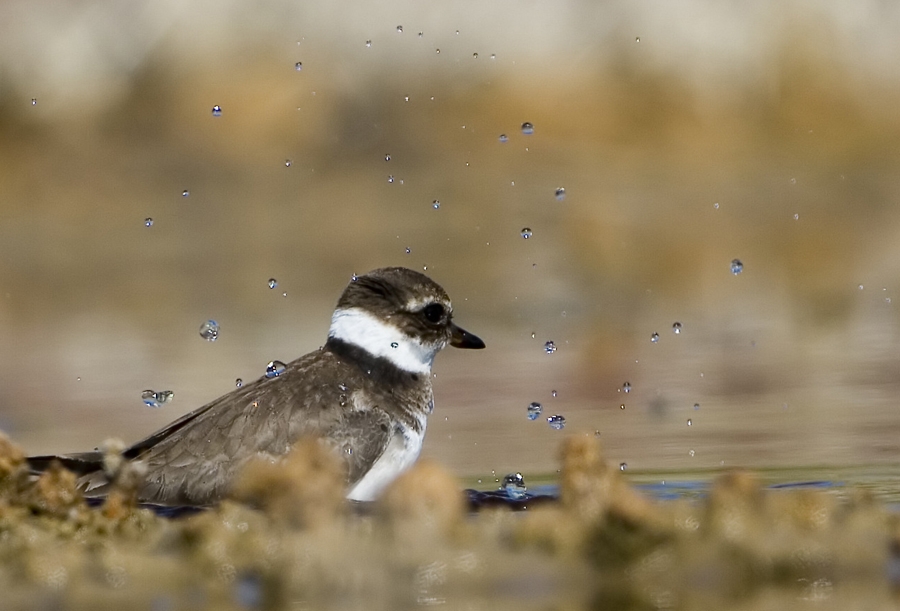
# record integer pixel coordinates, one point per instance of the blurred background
(685, 136)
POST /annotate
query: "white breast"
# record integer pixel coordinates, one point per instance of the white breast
(400, 454)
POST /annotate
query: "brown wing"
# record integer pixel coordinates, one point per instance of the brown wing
(195, 459)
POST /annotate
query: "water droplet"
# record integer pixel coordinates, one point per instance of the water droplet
(368, 43)
(654, 338)
(676, 328)
(527, 128)
(288, 163)
(626, 387)
(148, 222)
(556, 422)
(474, 55)
(238, 383)
(504, 138)
(354, 277)
(185, 193)
(526, 232)
(435, 204)
(689, 422)
(793, 181)
(514, 485)
(149, 398)
(696, 406)
(560, 194)
(391, 178)
(209, 330)
(637, 39)
(399, 29)
(395, 345)
(273, 283)
(406, 98)
(438, 51)
(298, 66)
(408, 250)
(622, 406)
(549, 347)
(387, 157)
(716, 205)
(861, 287)
(534, 410)
(796, 217)
(157, 399)
(34, 101)
(737, 267)
(552, 393)
(691, 453)
(217, 111)
(623, 466)
(274, 369)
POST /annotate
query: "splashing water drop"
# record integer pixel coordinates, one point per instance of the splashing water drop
(435, 204)
(560, 194)
(556, 422)
(622, 406)
(288, 163)
(148, 222)
(273, 283)
(209, 330)
(368, 43)
(623, 466)
(387, 157)
(238, 383)
(654, 338)
(185, 193)
(399, 29)
(514, 486)
(736, 267)
(217, 111)
(676, 328)
(696, 406)
(391, 178)
(395, 345)
(626, 387)
(549, 347)
(149, 398)
(298, 66)
(527, 128)
(503, 138)
(527, 233)
(534, 410)
(408, 250)
(552, 393)
(274, 369)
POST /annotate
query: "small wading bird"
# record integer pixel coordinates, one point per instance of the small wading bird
(366, 393)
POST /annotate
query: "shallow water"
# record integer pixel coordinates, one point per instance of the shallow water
(596, 538)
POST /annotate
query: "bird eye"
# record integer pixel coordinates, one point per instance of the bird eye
(433, 312)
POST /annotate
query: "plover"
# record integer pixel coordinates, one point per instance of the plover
(366, 392)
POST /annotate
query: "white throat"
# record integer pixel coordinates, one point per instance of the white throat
(358, 327)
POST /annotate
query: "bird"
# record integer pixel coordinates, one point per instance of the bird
(366, 393)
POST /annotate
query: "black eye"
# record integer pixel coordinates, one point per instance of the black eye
(433, 312)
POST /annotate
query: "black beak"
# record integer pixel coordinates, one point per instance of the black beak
(461, 338)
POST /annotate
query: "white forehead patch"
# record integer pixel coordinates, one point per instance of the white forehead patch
(417, 303)
(380, 339)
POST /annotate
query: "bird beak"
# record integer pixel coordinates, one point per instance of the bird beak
(460, 338)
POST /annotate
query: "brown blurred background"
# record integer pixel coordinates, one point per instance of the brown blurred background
(685, 135)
